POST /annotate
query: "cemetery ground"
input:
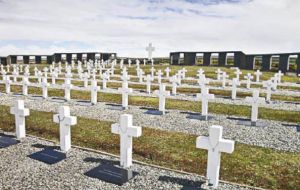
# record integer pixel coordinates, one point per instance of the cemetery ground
(267, 167)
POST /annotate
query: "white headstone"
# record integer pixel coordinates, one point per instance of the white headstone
(248, 78)
(268, 85)
(126, 131)
(215, 144)
(20, 113)
(65, 122)
(257, 74)
(67, 86)
(167, 70)
(7, 84)
(205, 96)
(94, 91)
(235, 83)
(149, 79)
(25, 85)
(162, 94)
(224, 78)
(219, 72)
(45, 86)
(255, 101)
(125, 91)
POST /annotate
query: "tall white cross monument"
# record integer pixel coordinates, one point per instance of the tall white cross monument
(215, 144)
(126, 132)
(150, 49)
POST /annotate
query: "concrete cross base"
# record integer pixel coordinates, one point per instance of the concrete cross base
(251, 123)
(111, 174)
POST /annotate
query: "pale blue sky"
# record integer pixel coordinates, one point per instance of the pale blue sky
(126, 27)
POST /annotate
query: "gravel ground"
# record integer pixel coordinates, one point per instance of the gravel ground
(281, 105)
(22, 172)
(273, 134)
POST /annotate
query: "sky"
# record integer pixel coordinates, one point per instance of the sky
(127, 26)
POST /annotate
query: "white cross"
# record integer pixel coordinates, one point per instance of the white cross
(202, 81)
(150, 49)
(46, 72)
(15, 74)
(140, 75)
(162, 93)
(175, 82)
(39, 75)
(45, 86)
(144, 60)
(205, 96)
(238, 73)
(94, 91)
(67, 86)
(86, 77)
(219, 72)
(125, 91)
(279, 75)
(36, 71)
(20, 113)
(257, 74)
(248, 77)
(25, 85)
(167, 70)
(125, 77)
(235, 83)
(224, 77)
(7, 84)
(137, 62)
(215, 144)
(183, 71)
(126, 131)
(65, 121)
(255, 101)
(200, 72)
(129, 62)
(149, 79)
(275, 82)
(105, 77)
(54, 75)
(152, 71)
(159, 75)
(268, 85)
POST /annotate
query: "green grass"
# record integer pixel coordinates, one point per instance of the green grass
(217, 108)
(249, 165)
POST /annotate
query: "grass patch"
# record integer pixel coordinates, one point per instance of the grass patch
(250, 165)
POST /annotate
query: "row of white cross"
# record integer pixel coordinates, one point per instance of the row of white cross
(162, 93)
(214, 143)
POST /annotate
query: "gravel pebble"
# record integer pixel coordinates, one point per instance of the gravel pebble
(22, 172)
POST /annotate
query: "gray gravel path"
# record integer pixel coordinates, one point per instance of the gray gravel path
(274, 134)
(18, 171)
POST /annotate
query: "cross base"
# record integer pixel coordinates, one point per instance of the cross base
(199, 117)
(111, 174)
